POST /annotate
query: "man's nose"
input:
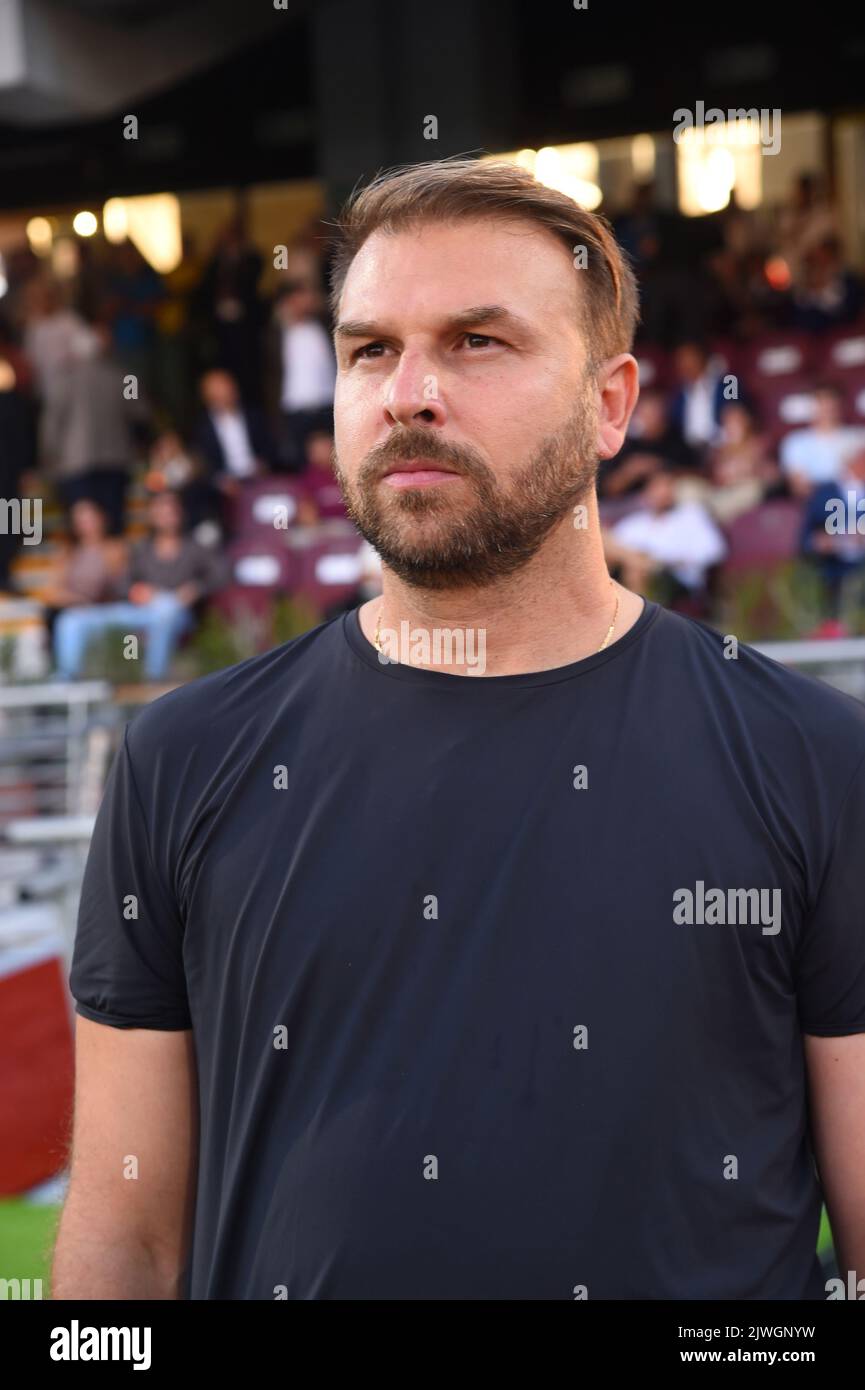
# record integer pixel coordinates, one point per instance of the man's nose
(413, 395)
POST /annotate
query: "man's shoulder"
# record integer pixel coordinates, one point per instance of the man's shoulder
(765, 693)
(214, 707)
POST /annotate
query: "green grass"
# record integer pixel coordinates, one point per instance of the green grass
(26, 1240)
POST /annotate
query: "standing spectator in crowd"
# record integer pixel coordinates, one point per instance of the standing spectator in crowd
(651, 443)
(740, 471)
(90, 568)
(809, 217)
(695, 410)
(168, 577)
(831, 538)
(305, 369)
(673, 543)
(17, 454)
(229, 301)
(817, 453)
(88, 428)
(134, 293)
(177, 335)
(830, 295)
(52, 333)
(319, 478)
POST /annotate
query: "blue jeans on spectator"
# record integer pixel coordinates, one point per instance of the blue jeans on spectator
(162, 621)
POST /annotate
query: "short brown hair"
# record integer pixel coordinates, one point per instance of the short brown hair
(448, 189)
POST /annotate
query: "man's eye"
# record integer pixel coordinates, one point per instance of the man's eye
(474, 339)
(369, 350)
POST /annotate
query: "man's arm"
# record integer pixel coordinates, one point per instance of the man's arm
(136, 1110)
(836, 1078)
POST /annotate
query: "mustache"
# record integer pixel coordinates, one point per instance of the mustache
(413, 444)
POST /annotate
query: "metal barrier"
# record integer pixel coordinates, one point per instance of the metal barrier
(840, 662)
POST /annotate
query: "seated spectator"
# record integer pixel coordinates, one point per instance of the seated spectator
(90, 567)
(672, 543)
(169, 575)
(234, 442)
(740, 471)
(318, 478)
(652, 442)
(695, 410)
(817, 453)
(173, 466)
(830, 294)
(831, 538)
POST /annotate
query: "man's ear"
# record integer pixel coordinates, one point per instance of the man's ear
(618, 389)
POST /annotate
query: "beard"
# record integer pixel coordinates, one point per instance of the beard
(434, 540)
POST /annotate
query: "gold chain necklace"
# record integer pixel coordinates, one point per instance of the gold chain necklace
(376, 641)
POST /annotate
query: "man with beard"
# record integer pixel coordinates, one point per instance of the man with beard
(379, 968)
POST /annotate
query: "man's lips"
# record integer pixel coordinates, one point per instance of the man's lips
(419, 472)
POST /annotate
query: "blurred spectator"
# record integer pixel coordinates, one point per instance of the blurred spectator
(651, 442)
(233, 443)
(134, 292)
(302, 360)
(319, 480)
(17, 451)
(830, 295)
(808, 218)
(174, 467)
(695, 410)
(670, 542)
(234, 440)
(229, 301)
(168, 577)
(740, 470)
(90, 567)
(87, 440)
(176, 327)
(52, 333)
(817, 453)
(837, 553)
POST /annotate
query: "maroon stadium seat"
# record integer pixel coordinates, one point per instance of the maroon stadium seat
(774, 358)
(785, 403)
(764, 537)
(252, 510)
(330, 570)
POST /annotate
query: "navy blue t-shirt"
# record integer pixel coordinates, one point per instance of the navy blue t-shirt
(497, 983)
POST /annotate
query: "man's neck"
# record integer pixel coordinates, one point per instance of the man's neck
(556, 610)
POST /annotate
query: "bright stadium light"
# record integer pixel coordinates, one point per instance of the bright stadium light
(40, 236)
(84, 223)
(152, 223)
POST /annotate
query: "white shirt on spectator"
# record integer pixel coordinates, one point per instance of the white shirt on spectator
(233, 435)
(698, 423)
(308, 367)
(820, 454)
(685, 540)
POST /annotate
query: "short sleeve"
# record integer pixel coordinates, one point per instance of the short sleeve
(127, 961)
(830, 970)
